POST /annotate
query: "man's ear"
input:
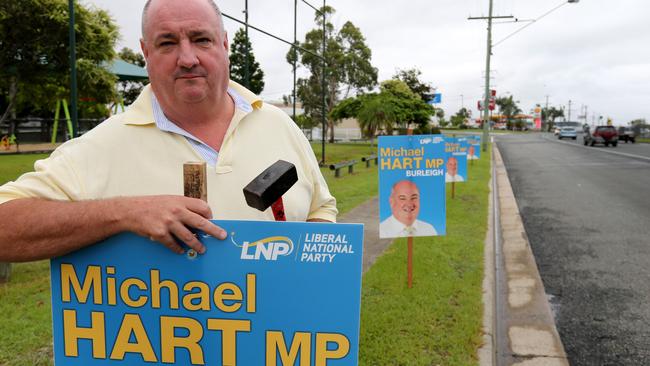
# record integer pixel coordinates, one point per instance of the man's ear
(143, 47)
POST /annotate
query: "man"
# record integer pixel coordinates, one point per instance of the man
(452, 171)
(471, 153)
(126, 174)
(404, 203)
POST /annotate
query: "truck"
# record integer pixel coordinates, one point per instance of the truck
(601, 135)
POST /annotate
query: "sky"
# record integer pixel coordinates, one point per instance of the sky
(595, 53)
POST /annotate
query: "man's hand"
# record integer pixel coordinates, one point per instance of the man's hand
(167, 219)
(33, 228)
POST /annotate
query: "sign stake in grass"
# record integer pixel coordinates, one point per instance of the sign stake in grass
(409, 260)
(409, 244)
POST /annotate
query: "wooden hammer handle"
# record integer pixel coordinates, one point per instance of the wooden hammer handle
(194, 180)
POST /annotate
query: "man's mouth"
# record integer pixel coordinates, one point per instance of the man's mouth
(190, 76)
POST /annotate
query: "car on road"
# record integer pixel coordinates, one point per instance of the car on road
(626, 134)
(567, 132)
(601, 135)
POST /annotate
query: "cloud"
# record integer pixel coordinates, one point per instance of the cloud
(595, 52)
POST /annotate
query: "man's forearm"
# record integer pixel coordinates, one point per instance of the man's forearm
(35, 229)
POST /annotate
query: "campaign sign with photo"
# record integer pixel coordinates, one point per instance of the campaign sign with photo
(474, 150)
(411, 186)
(456, 159)
(271, 293)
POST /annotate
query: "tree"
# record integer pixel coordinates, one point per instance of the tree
(412, 78)
(130, 89)
(34, 63)
(394, 104)
(348, 66)
(552, 113)
(459, 119)
(241, 45)
(508, 108)
(410, 107)
(377, 111)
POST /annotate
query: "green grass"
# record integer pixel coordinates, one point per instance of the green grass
(438, 321)
(12, 166)
(642, 140)
(26, 321)
(349, 190)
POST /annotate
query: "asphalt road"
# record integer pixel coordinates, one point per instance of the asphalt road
(586, 212)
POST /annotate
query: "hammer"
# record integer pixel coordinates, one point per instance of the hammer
(268, 187)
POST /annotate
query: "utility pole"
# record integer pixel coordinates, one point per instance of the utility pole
(295, 56)
(73, 72)
(323, 85)
(486, 100)
(546, 114)
(247, 76)
(568, 119)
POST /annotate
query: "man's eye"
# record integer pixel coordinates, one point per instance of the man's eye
(203, 40)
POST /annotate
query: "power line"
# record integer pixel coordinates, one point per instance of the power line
(532, 22)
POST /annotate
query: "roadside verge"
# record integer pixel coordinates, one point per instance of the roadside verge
(529, 335)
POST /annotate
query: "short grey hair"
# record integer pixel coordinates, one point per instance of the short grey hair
(211, 2)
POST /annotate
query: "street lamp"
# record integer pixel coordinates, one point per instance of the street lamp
(323, 84)
(489, 54)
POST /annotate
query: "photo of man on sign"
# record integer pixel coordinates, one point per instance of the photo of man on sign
(452, 171)
(411, 186)
(404, 203)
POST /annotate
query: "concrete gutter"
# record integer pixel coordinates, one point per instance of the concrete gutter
(529, 336)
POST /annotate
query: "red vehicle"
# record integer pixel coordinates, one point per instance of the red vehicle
(601, 135)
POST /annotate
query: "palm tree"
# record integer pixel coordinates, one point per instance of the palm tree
(378, 111)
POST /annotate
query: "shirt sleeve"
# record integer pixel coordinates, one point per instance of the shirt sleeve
(323, 204)
(53, 178)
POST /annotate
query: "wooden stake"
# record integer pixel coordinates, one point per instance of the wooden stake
(409, 241)
(453, 189)
(194, 180)
(409, 262)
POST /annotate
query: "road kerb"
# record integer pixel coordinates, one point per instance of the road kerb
(531, 333)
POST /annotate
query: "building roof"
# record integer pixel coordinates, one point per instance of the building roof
(126, 71)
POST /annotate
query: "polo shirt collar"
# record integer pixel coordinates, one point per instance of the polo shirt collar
(141, 111)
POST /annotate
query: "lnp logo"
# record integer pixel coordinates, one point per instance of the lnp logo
(425, 141)
(268, 248)
(437, 140)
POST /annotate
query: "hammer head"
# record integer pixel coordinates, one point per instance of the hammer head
(270, 185)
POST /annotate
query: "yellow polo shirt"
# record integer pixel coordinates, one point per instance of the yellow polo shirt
(127, 155)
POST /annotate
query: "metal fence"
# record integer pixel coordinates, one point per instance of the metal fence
(36, 130)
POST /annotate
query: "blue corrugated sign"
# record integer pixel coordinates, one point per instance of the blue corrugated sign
(437, 99)
(474, 150)
(271, 293)
(456, 159)
(411, 186)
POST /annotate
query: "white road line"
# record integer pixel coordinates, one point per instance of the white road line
(601, 150)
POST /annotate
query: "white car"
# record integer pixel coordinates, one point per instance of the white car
(568, 132)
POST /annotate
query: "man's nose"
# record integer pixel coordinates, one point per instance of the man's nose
(187, 57)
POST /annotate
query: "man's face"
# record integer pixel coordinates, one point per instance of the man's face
(405, 202)
(471, 150)
(452, 166)
(186, 52)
